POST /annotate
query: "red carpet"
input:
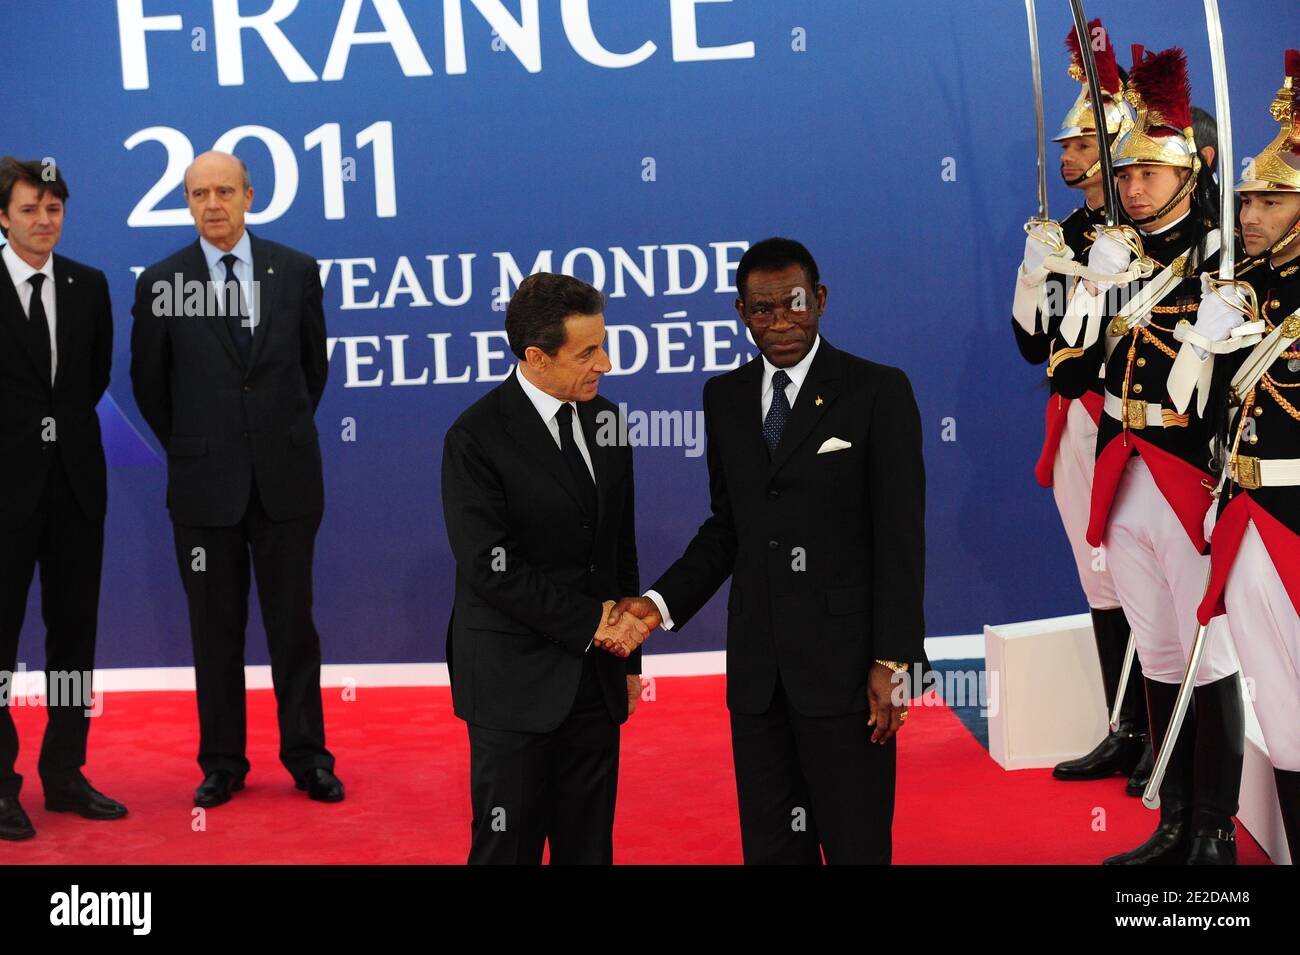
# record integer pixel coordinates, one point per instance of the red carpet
(404, 759)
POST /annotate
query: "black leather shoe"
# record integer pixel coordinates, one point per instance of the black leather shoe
(1141, 775)
(1168, 845)
(1214, 847)
(216, 788)
(14, 824)
(1118, 754)
(322, 785)
(77, 795)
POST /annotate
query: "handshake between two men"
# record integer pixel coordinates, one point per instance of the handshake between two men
(626, 624)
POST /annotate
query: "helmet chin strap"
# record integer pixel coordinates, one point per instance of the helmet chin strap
(1291, 235)
(1179, 196)
(1092, 171)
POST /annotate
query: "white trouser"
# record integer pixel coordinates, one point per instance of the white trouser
(1266, 631)
(1072, 487)
(1161, 579)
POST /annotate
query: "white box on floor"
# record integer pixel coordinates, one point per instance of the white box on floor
(1045, 684)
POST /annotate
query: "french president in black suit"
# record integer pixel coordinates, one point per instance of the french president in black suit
(228, 365)
(56, 347)
(817, 491)
(540, 518)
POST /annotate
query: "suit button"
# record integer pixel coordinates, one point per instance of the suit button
(243, 434)
(248, 387)
(773, 545)
(774, 494)
(591, 569)
(1137, 389)
(586, 525)
(1141, 362)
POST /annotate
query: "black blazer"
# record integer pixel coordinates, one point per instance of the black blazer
(826, 551)
(84, 341)
(525, 614)
(222, 423)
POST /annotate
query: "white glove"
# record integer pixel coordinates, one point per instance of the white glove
(1036, 251)
(1211, 518)
(1215, 318)
(1108, 256)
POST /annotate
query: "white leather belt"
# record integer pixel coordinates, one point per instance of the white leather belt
(1143, 414)
(1251, 473)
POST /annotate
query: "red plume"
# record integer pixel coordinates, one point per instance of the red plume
(1293, 66)
(1161, 80)
(1107, 68)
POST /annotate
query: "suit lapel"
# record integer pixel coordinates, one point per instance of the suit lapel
(602, 455)
(264, 286)
(526, 426)
(16, 319)
(66, 295)
(195, 269)
(818, 392)
(740, 413)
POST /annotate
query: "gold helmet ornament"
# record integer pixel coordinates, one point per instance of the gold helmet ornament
(1080, 120)
(1161, 131)
(1277, 167)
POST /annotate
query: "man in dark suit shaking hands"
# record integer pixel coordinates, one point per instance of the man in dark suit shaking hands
(541, 520)
(230, 388)
(56, 346)
(817, 493)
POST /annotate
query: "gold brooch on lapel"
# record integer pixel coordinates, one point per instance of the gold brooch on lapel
(818, 401)
(270, 271)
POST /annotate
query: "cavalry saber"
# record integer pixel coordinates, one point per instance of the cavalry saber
(1098, 112)
(1129, 654)
(1110, 200)
(1151, 795)
(1036, 64)
(1223, 114)
(1227, 207)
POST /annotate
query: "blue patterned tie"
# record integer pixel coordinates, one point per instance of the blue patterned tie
(237, 313)
(778, 413)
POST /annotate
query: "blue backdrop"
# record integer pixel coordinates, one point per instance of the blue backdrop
(656, 138)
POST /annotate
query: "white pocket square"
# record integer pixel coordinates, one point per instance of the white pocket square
(833, 444)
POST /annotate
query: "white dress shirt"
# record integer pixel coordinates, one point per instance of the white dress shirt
(243, 253)
(20, 272)
(548, 406)
(797, 375)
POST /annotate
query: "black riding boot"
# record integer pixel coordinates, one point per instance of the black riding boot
(1169, 844)
(1216, 786)
(1288, 795)
(1121, 752)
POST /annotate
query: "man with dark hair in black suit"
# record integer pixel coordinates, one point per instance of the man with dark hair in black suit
(541, 519)
(817, 493)
(231, 393)
(56, 347)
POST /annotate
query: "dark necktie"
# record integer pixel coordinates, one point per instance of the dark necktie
(236, 313)
(573, 458)
(38, 327)
(778, 412)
